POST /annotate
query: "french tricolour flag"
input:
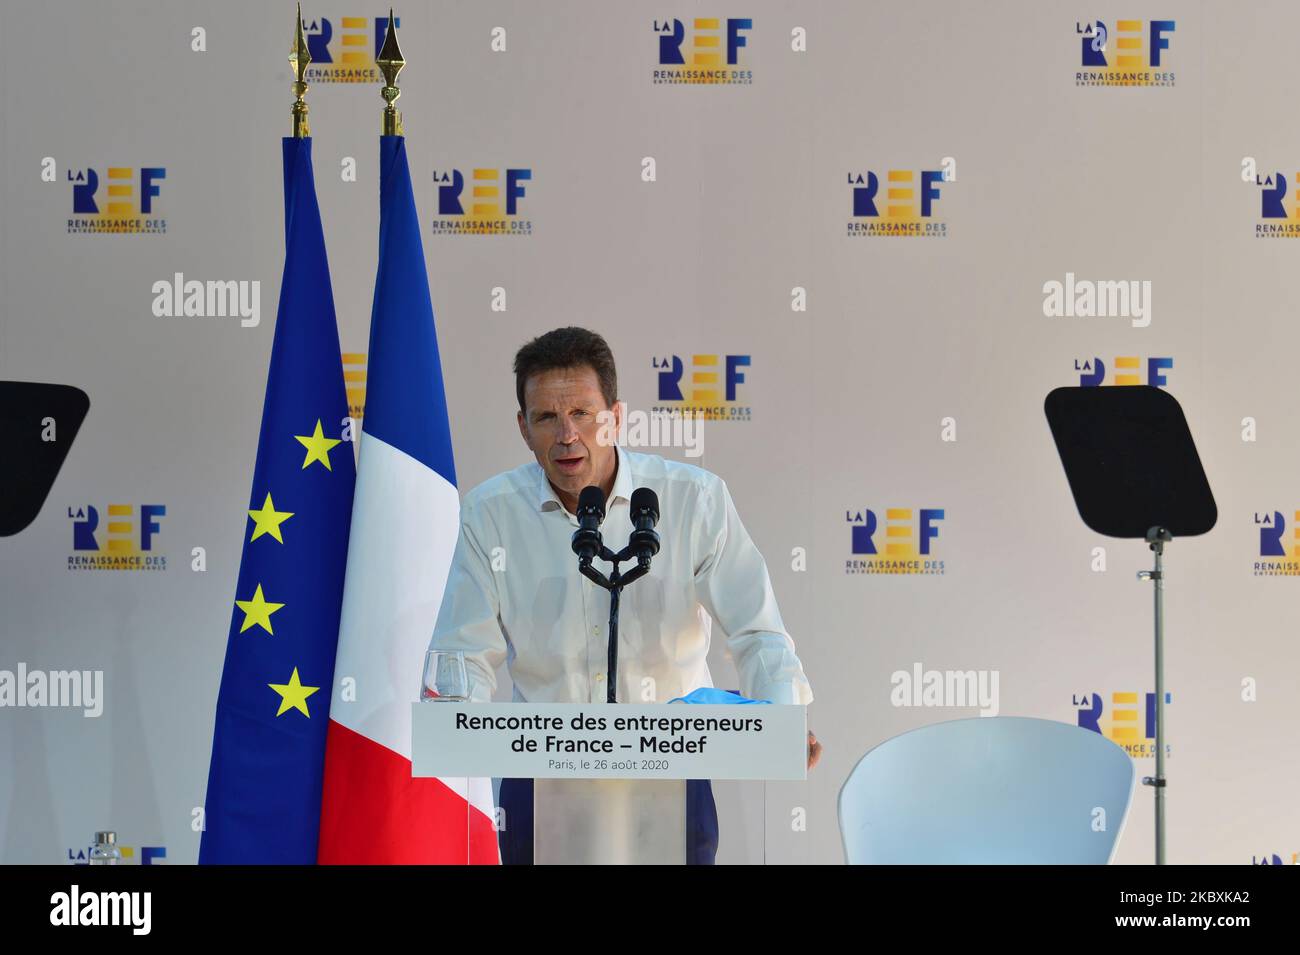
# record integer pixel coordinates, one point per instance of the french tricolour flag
(406, 516)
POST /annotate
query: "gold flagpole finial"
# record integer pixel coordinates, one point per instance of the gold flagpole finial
(390, 61)
(298, 60)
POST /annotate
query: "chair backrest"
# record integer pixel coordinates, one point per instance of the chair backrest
(1002, 789)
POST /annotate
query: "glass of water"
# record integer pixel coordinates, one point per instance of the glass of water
(444, 680)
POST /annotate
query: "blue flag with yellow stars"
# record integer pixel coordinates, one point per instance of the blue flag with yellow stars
(268, 747)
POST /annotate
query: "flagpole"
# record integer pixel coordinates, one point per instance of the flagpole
(391, 61)
(299, 58)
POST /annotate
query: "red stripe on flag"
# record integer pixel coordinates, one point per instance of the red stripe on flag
(374, 812)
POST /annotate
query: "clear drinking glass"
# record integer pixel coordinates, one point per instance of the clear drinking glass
(444, 680)
(105, 850)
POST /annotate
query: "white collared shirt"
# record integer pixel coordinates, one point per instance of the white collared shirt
(514, 594)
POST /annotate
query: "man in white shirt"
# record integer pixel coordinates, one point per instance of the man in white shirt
(514, 594)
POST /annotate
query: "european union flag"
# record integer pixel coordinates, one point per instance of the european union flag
(268, 748)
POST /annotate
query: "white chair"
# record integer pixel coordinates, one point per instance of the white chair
(988, 790)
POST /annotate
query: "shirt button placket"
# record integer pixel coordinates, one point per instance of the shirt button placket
(594, 659)
(588, 592)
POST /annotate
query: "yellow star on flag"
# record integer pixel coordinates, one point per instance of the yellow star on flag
(318, 447)
(257, 611)
(268, 520)
(293, 695)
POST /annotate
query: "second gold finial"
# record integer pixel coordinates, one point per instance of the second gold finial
(390, 61)
(298, 60)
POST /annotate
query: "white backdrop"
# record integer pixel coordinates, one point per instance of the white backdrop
(680, 220)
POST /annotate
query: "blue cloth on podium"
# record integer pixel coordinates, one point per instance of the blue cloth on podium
(709, 694)
(516, 839)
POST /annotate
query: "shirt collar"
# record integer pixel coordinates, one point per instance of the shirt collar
(624, 484)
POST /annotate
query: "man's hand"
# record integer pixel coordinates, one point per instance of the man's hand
(814, 750)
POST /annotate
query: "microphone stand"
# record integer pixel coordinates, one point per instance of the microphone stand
(614, 583)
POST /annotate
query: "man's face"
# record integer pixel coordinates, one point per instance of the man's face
(560, 424)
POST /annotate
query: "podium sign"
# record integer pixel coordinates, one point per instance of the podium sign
(610, 741)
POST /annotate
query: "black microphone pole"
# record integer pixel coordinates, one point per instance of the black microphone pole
(643, 544)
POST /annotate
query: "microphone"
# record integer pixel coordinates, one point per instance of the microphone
(591, 511)
(644, 542)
